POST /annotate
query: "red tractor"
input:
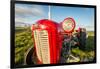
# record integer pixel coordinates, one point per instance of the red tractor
(53, 40)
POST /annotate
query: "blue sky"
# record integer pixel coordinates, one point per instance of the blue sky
(30, 13)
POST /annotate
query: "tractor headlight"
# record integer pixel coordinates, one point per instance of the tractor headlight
(68, 25)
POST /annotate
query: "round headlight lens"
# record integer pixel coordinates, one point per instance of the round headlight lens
(68, 24)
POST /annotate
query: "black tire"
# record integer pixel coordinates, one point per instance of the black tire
(82, 39)
(29, 56)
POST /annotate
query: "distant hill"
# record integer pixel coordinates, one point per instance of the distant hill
(20, 24)
(90, 33)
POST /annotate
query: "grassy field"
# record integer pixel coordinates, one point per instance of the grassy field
(23, 41)
(89, 53)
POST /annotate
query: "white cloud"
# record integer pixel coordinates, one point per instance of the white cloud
(24, 10)
(25, 13)
(20, 19)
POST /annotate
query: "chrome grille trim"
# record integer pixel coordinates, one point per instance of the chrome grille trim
(42, 45)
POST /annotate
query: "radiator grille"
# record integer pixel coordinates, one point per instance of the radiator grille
(42, 45)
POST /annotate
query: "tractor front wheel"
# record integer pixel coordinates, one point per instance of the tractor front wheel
(29, 57)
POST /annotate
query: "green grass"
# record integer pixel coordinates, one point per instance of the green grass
(23, 41)
(88, 53)
(90, 33)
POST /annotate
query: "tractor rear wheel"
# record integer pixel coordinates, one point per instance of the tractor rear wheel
(82, 39)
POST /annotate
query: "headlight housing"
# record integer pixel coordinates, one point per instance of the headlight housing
(68, 25)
